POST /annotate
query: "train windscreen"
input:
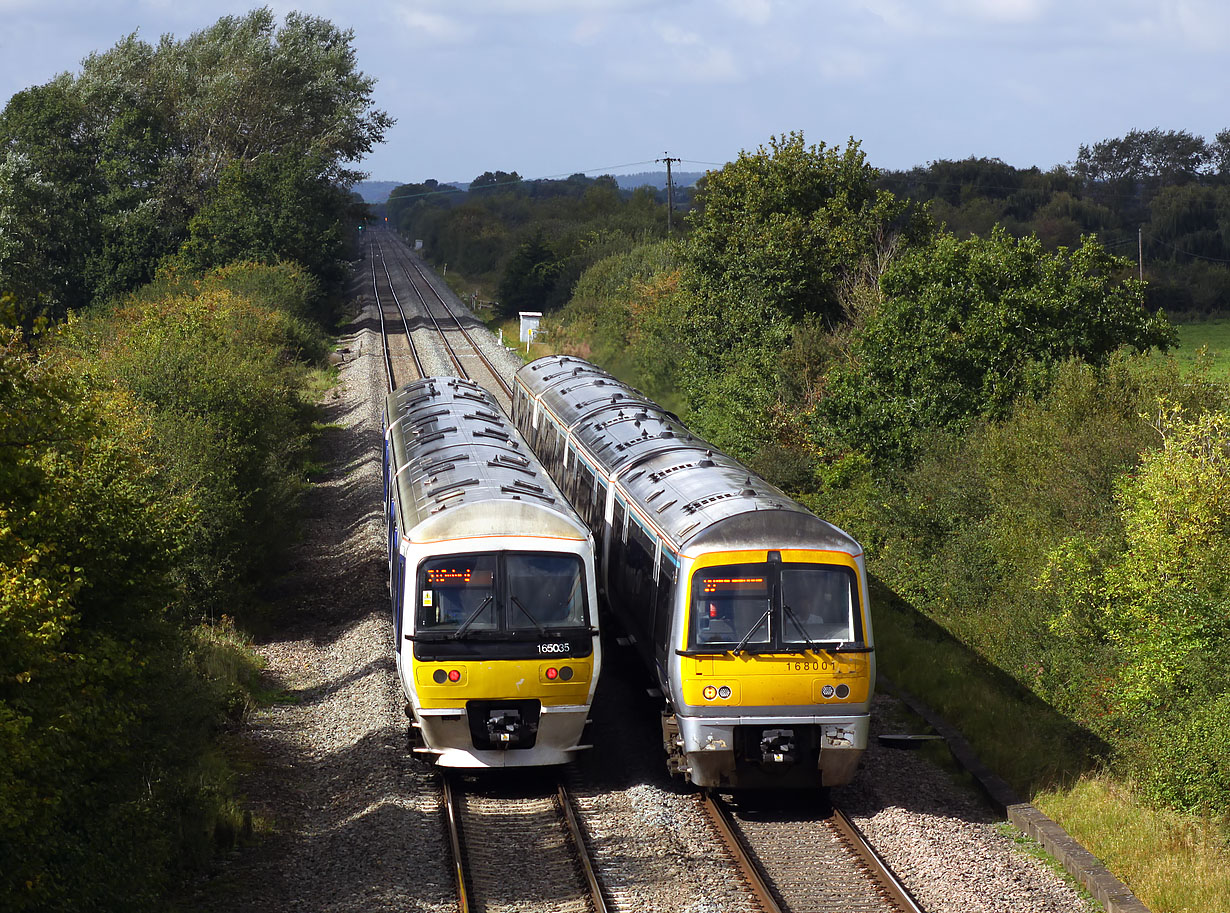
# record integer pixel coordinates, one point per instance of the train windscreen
(767, 607)
(510, 592)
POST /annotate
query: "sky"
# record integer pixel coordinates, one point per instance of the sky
(548, 88)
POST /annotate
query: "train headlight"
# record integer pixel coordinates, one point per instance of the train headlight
(843, 690)
(827, 691)
(454, 675)
(439, 676)
(724, 692)
(565, 673)
(710, 692)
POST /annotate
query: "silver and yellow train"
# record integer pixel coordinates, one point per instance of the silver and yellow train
(751, 611)
(493, 584)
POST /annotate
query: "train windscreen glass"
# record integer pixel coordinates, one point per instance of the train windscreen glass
(762, 607)
(817, 604)
(458, 591)
(511, 592)
(545, 590)
(730, 605)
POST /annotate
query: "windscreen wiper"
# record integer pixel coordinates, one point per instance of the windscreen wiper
(526, 613)
(748, 636)
(465, 625)
(790, 614)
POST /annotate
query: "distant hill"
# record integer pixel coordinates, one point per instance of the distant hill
(375, 191)
(657, 179)
(378, 191)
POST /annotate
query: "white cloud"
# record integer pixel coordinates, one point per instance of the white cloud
(1199, 24)
(847, 65)
(757, 12)
(431, 26)
(1011, 11)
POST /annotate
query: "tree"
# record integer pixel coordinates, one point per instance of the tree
(965, 327)
(48, 179)
(138, 142)
(778, 235)
(276, 208)
(528, 278)
(495, 181)
(787, 225)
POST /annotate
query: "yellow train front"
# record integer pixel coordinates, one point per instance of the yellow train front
(751, 613)
(493, 584)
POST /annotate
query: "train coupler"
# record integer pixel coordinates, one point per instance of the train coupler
(505, 728)
(778, 746)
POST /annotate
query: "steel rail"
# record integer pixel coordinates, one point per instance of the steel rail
(448, 346)
(474, 347)
(384, 336)
(897, 892)
(750, 871)
(504, 385)
(578, 840)
(453, 817)
(414, 352)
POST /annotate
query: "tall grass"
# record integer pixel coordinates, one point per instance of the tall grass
(1175, 863)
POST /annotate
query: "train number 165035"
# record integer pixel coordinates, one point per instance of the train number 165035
(554, 648)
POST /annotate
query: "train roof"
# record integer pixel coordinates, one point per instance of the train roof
(695, 494)
(461, 469)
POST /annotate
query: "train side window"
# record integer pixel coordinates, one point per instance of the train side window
(557, 458)
(548, 442)
(399, 594)
(615, 550)
(584, 499)
(519, 407)
(639, 567)
(668, 573)
(571, 473)
(600, 498)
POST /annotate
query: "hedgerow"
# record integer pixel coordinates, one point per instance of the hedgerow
(150, 461)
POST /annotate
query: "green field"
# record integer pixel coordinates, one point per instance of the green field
(1213, 334)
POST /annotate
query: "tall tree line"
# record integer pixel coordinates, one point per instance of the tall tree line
(237, 141)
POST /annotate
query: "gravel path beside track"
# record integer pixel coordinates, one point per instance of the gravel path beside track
(357, 824)
(356, 821)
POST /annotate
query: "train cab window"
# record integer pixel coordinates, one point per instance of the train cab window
(457, 591)
(773, 606)
(730, 606)
(545, 591)
(509, 592)
(818, 603)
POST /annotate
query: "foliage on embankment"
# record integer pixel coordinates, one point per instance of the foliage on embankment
(1042, 497)
(150, 459)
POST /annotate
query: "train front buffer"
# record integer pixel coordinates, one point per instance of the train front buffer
(503, 713)
(756, 720)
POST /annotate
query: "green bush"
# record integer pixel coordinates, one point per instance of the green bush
(229, 425)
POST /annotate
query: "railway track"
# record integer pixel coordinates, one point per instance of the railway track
(518, 848)
(398, 348)
(464, 353)
(798, 861)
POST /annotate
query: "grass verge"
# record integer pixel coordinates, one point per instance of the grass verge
(1175, 863)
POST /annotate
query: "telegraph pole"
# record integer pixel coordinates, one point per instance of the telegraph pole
(1140, 250)
(670, 189)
